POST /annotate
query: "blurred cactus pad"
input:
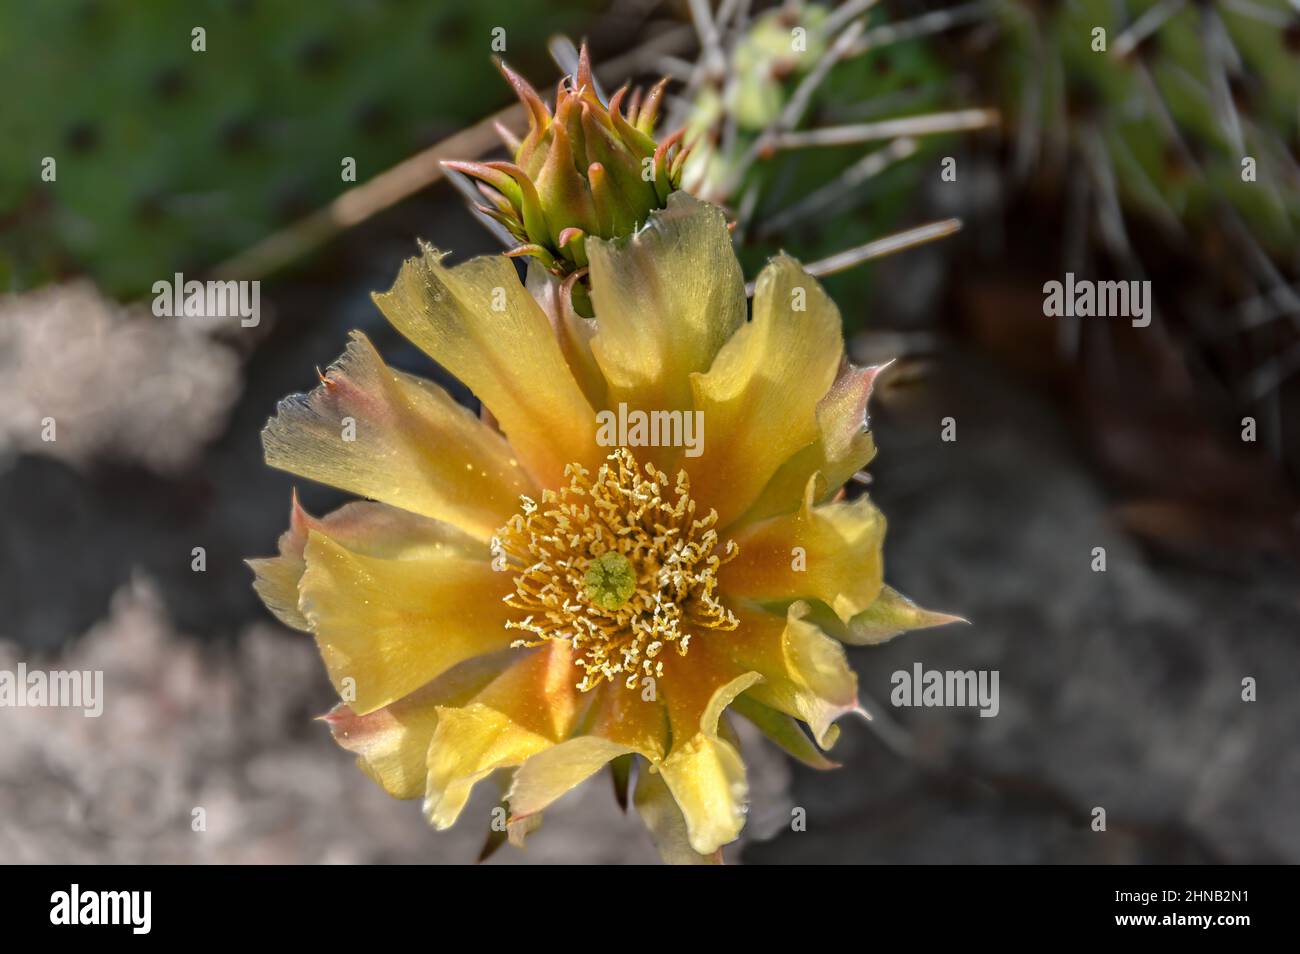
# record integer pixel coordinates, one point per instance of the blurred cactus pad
(168, 157)
(1188, 100)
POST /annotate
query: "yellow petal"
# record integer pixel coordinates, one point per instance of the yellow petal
(706, 775)
(838, 559)
(530, 707)
(548, 775)
(760, 396)
(372, 529)
(662, 816)
(666, 299)
(843, 446)
(783, 730)
(622, 722)
(468, 745)
(411, 445)
(385, 627)
(805, 672)
(892, 613)
(392, 743)
(479, 323)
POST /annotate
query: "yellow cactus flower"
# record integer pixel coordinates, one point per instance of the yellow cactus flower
(522, 593)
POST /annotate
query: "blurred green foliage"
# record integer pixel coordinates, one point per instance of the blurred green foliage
(1105, 96)
(171, 159)
(894, 80)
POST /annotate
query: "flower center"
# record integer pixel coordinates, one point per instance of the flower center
(611, 581)
(618, 566)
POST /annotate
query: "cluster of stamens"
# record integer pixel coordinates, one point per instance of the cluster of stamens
(618, 566)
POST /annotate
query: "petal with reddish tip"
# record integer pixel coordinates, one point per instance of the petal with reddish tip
(411, 444)
(373, 529)
(392, 743)
(843, 446)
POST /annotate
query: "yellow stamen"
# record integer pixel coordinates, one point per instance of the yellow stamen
(616, 569)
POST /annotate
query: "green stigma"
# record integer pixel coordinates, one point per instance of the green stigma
(610, 581)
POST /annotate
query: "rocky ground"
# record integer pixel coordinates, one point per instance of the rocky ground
(1120, 690)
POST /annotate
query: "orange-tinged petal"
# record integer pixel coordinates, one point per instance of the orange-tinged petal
(392, 743)
(666, 299)
(385, 627)
(627, 717)
(805, 672)
(479, 323)
(760, 396)
(530, 707)
(396, 438)
(829, 553)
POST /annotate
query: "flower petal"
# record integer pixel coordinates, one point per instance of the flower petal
(414, 446)
(392, 743)
(843, 446)
(783, 730)
(548, 775)
(385, 627)
(760, 396)
(622, 722)
(625, 716)
(662, 816)
(479, 323)
(572, 330)
(892, 613)
(666, 300)
(839, 561)
(469, 744)
(705, 772)
(373, 529)
(530, 707)
(805, 672)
